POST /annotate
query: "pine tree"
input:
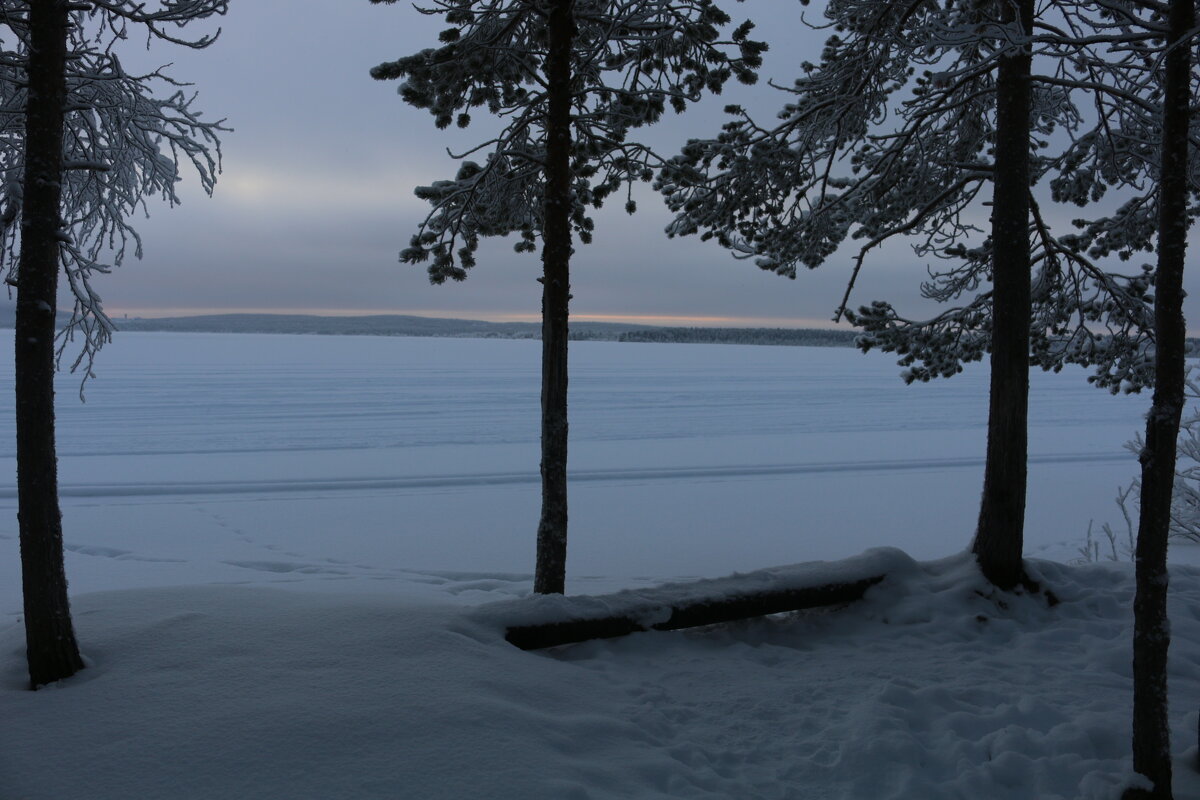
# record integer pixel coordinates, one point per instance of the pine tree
(570, 79)
(1152, 636)
(913, 109)
(87, 144)
(51, 648)
(1000, 532)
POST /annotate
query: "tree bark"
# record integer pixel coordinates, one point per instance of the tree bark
(50, 639)
(550, 572)
(1151, 633)
(999, 536)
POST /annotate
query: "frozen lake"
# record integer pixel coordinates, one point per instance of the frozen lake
(337, 460)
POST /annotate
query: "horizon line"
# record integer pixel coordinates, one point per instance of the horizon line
(659, 320)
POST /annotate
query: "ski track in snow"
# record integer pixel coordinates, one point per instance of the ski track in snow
(321, 486)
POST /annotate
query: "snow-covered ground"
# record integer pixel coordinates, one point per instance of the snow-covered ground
(327, 460)
(399, 478)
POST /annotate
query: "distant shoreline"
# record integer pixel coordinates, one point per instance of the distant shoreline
(452, 328)
(408, 325)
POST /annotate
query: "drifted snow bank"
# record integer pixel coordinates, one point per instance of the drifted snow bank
(926, 689)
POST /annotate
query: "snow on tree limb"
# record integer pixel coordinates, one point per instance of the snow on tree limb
(632, 60)
(890, 136)
(126, 136)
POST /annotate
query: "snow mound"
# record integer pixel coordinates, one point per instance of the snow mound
(931, 687)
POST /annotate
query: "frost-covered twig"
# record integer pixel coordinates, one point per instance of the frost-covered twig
(125, 137)
(1185, 498)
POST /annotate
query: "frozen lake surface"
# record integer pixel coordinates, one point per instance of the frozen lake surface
(328, 460)
(394, 481)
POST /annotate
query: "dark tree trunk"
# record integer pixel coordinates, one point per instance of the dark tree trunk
(551, 569)
(1151, 634)
(999, 537)
(50, 639)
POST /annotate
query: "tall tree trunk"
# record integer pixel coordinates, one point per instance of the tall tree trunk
(999, 537)
(1151, 633)
(551, 570)
(50, 639)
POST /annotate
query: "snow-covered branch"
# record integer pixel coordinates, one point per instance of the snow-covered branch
(891, 134)
(632, 60)
(125, 139)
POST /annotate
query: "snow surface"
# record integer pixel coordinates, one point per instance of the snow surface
(925, 690)
(280, 551)
(324, 461)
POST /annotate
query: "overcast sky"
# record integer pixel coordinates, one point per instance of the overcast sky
(316, 196)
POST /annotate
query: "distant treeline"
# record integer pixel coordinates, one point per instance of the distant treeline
(406, 325)
(807, 337)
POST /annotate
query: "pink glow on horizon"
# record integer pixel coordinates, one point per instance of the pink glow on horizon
(668, 320)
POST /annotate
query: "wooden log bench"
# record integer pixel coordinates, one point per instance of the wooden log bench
(549, 620)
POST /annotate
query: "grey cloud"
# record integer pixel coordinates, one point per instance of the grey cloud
(316, 198)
